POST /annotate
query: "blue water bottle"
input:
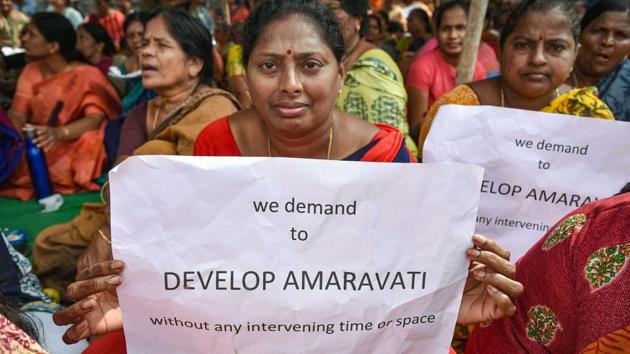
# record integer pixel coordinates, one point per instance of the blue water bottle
(37, 165)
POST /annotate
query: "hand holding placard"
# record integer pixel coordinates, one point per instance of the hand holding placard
(490, 286)
(233, 279)
(96, 310)
(488, 295)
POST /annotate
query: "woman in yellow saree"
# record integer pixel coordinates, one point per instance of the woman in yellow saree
(539, 47)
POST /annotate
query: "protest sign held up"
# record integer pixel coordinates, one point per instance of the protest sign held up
(538, 166)
(251, 255)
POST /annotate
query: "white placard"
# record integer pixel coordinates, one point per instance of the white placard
(381, 268)
(538, 166)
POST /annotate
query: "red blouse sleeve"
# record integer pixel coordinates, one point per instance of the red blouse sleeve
(216, 139)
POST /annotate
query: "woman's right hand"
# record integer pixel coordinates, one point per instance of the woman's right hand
(45, 136)
(96, 310)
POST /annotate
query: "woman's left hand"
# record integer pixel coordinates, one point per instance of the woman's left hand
(45, 136)
(490, 288)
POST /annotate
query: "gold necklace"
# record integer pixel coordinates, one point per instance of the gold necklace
(330, 143)
(503, 95)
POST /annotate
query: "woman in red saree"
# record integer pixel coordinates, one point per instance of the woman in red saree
(293, 50)
(577, 281)
(387, 145)
(67, 102)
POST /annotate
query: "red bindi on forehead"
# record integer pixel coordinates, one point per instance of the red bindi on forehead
(289, 51)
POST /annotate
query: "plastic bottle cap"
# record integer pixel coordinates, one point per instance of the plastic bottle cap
(29, 132)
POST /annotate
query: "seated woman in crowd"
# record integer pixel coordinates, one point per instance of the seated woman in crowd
(373, 88)
(12, 22)
(235, 71)
(198, 9)
(577, 282)
(419, 28)
(109, 18)
(61, 7)
(95, 45)
(67, 102)
(134, 91)
(539, 44)
(176, 62)
(603, 57)
(290, 75)
(377, 35)
(433, 74)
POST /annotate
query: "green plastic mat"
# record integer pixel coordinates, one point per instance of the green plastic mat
(15, 214)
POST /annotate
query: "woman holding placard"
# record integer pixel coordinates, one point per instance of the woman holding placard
(295, 112)
(577, 280)
(294, 76)
(539, 45)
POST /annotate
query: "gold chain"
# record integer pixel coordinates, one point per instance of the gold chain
(330, 143)
(503, 95)
(102, 234)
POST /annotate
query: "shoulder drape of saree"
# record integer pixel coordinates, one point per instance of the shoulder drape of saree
(389, 142)
(177, 134)
(82, 90)
(582, 102)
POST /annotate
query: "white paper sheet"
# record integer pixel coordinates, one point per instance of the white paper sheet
(172, 215)
(538, 166)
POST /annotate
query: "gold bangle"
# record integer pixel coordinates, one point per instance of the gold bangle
(103, 191)
(100, 232)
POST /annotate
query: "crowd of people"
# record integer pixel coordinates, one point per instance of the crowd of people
(325, 79)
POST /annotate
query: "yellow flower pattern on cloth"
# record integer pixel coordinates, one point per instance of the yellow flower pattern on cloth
(582, 102)
(565, 229)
